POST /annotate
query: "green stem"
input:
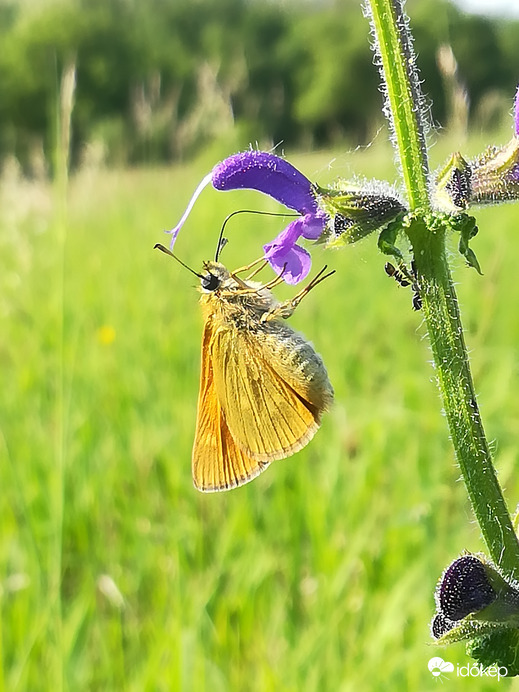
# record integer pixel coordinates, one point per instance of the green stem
(404, 97)
(441, 311)
(426, 233)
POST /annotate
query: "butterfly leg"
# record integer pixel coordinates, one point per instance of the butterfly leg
(261, 266)
(287, 307)
(250, 289)
(261, 261)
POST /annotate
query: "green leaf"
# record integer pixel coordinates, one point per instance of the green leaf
(387, 240)
(497, 648)
(466, 225)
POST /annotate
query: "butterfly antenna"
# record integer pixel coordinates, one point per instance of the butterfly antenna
(159, 246)
(222, 242)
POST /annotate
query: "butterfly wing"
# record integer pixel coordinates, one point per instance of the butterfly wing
(272, 388)
(218, 463)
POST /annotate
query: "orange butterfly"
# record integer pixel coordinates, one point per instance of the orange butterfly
(263, 388)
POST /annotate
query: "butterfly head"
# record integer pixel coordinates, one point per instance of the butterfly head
(215, 277)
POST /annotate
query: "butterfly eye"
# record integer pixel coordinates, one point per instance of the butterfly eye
(210, 282)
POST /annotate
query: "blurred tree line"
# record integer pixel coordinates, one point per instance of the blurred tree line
(158, 80)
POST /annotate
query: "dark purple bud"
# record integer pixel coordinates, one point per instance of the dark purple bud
(356, 211)
(453, 189)
(440, 625)
(495, 174)
(491, 178)
(464, 588)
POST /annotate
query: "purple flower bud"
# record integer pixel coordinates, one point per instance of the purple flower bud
(464, 588)
(491, 178)
(472, 599)
(453, 188)
(357, 210)
(495, 174)
(440, 625)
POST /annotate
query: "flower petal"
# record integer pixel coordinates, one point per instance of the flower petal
(313, 225)
(516, 113)
(285, 240)
(294, 262)
(297, 264)
(267, 173)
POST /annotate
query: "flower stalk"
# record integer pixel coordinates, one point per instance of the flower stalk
(404, 105)
(442, 317)
(426, 232)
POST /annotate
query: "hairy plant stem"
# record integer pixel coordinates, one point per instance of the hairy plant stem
(427, 233)
(404, 104)
(442, 316)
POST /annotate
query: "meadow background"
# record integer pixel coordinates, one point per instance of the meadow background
(115, 573)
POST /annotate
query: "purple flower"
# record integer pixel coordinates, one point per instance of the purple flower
(285, 255)
(273, 176)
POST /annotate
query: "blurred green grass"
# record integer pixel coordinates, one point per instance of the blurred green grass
(320, 574)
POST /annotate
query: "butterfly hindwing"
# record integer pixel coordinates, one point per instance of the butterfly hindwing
(270, 405)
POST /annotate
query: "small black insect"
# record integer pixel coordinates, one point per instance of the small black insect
(398, 275)
(406, 277)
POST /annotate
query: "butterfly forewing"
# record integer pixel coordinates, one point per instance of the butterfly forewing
(217, 463)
